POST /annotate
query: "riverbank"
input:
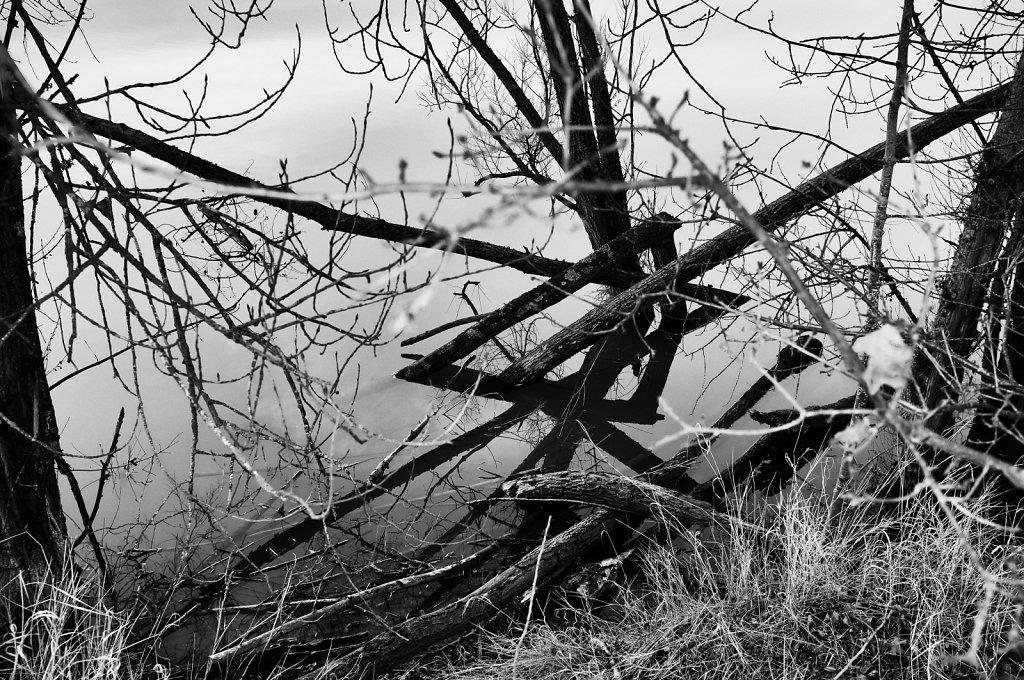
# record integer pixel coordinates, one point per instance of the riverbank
(792, 590)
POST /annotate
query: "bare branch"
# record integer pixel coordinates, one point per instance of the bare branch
(732, 241)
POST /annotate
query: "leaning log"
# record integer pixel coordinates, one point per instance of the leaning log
(327, 217)
(414, 637)
(731, 242)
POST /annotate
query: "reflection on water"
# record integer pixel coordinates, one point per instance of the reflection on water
(417, 495)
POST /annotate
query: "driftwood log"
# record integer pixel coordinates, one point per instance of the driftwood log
(543, 564)
(608, 490)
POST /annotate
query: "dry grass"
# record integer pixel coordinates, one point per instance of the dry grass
(64, 632)
(800, 595)
(792, 592)
(61, 629)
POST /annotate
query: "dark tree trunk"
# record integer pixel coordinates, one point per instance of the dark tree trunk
(997, 427)
(985, 265)
(998, 184)
(32, 529)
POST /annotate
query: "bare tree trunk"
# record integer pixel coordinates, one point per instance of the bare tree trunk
(32, 530)
(981, 269)
(996, 427)
(998, 185)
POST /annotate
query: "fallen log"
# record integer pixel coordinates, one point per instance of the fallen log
(554, 290)
(346, 602)
(608, 490)
(543, 564)
(411, 638)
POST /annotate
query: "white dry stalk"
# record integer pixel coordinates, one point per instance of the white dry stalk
(532, 595)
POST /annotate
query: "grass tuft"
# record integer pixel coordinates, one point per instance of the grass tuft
(790, 593)
(63, 631)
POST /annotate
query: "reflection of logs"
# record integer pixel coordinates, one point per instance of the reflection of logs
(772, 460)
(628, 503)
(792, 359)
(558, 554)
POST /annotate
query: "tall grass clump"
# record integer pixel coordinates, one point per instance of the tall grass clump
(59, 628)
(795, 591)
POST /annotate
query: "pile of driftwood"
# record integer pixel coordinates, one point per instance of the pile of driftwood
(441, 603)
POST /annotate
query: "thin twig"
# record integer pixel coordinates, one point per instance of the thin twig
(442, 328)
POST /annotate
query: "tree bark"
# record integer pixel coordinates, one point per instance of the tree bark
(608, 490)
(996, 427)
(995, 198)
(32, 529)
(604, 214)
